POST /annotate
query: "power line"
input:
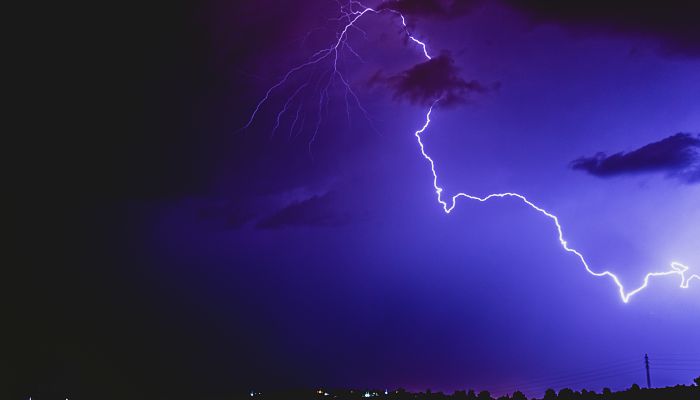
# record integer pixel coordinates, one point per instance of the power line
(623, 367)
(574, 374)
(573, 384)
(679, 369)
(578, 379)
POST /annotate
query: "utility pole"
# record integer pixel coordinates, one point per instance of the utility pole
(646, 364)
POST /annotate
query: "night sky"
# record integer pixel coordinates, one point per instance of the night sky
(165, 251)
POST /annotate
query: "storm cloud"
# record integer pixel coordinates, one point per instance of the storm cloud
(674, 23)
(431, 8)
(437, 78)
(677, 155)
(315, 211)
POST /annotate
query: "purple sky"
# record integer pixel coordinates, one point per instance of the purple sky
(341, 268)
(248, 262)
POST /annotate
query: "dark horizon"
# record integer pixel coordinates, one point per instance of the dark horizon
(633, 392)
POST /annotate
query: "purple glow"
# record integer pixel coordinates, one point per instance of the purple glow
(675, 268)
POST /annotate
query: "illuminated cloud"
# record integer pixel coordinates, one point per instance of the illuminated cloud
(437, 78)
(677, 155)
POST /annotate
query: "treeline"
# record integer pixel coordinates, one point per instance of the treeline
(683, 392)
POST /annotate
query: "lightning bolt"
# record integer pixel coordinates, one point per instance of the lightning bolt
(352, 12)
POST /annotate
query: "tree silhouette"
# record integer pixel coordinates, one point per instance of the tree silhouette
(518, 395)
(566, 394)
(550, 394)
(678, 392)
(588, 395)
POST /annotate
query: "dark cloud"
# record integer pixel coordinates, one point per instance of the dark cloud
(673, 22)
(431, 8)
(229, 214)
(677, 155)
(434, 79)
(316, 211)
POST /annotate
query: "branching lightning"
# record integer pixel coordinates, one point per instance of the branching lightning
(352, 12)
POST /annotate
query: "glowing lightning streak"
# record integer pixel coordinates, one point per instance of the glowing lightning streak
(352, 16)
(425, 49)
(315, 59)
(676, 268)
(286, 105)
(321, 55)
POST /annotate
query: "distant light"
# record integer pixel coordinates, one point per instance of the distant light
(252, 393)
(386, 392)
(367, 394)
